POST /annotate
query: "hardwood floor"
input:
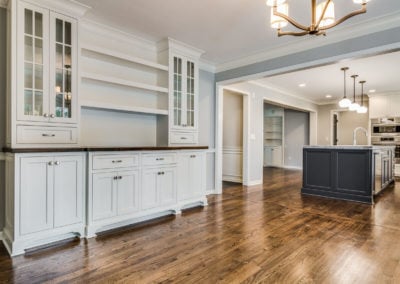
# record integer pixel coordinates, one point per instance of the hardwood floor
(261, 234)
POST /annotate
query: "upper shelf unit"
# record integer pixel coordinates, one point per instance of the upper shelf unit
(119, 55)
(115, 107)
(123, 82)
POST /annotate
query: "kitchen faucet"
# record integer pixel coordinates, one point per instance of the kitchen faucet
(355, 134)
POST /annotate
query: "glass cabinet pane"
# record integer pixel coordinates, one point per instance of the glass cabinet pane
(28, 49)
(38, 103)
(38, 51)
(63, 83)
(28, 22)
(177, 91)
(38, 24)
(190, 96)
(38, 77)
(28, 75)
(28, 106)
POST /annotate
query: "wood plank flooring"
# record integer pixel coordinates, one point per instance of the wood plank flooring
(261, 234)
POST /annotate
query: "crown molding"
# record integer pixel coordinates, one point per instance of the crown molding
(207, 66)
(117, 34)
(373, 25)
(170, 43)
(3, 3)
(392, 93)
(69, 7)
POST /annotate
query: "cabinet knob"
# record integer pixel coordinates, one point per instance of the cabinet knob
(50, 163)
(120, 177)
(48, 135)
(117, 161)
(183, 138)
(57, 163)
(52, 115)
(159, 159)
(46, 115)
(192, 156)
(115, 178)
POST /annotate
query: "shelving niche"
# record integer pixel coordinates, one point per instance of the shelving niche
(130, 83)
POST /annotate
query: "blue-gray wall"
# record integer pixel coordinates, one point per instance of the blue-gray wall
(342, 48)
(3, 47)
(297, 134)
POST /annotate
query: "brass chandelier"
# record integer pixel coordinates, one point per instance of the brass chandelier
(322, 17)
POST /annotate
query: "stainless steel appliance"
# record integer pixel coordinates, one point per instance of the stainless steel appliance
(386, 131)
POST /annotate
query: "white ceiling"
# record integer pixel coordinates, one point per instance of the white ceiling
(381, 73)
(226, 29)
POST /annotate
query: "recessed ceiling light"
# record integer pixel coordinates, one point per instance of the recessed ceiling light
(328, 96)
(372, 91)
(302, 85)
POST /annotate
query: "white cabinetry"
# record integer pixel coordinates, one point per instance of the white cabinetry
(272, 156)
(384, 106)
(43, 93)
(183, 64)
(45, 199)
(191, 178)
(159, 187)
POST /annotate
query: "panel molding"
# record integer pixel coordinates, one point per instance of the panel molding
(233, 164)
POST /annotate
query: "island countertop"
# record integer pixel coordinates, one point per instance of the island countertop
(350, 147)
(102, 149)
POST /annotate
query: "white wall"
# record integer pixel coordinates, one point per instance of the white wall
(232, 137)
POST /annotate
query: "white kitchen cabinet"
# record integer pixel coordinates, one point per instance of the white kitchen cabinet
(43, 70)
(191, 177)
(183, 93)
(158, 187)
(272, 156)
(384, 106)
(45, 199)
(115, 194)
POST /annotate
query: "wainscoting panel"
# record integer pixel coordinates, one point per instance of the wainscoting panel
(232, 169)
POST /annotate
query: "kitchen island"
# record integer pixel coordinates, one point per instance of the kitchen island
(355, 173)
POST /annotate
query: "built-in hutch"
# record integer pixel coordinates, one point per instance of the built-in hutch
(273, 136)
(58, 68)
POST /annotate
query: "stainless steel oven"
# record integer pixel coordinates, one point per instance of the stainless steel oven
(385, 126)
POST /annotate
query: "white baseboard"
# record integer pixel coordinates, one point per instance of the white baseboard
(1, 235)
(292, 168)
(210, 191)
(232, 178)
(254, 182)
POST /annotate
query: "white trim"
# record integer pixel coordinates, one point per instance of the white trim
(208, 66)
(210, 191)
(2, 156)
(344, 32)
(292, 167)
(69, 7)
(233, 150)
(210, 151)
(254, 182)
(117, 34)
(231, 178)
(1, 236)
(3, 3)
(170, 43)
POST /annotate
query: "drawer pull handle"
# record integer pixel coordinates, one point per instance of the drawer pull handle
(192, 156)
(48, 135)
(183, 138)
(52, 115)
(120, 177)
(160, 173)
(115, 178)
(117, 161)
(159, 159)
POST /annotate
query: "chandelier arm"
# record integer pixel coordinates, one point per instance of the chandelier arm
(352, 14)
(280, 33)
(290, 20)
(322, 14)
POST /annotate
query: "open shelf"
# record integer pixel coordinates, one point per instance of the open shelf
(120, 55)
(108, 106)
(122, 82)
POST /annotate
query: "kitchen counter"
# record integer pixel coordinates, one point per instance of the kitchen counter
(356, 173)
(100, 149)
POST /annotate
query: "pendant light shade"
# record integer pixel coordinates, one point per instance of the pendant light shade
(328, 16)
(345, 102)
(354, 105)
(362, 108)
(279, 22)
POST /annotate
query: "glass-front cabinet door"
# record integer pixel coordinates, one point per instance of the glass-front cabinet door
(33, 62)
(63, 69)
(184, 93)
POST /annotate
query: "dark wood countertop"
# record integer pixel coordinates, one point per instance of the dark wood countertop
(100, 149)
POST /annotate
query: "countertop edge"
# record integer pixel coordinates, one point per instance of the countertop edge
(99, 149)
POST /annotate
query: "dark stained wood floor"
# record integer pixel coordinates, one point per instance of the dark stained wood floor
(261, 234)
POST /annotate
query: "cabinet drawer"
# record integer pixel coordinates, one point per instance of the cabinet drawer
(46, 135)
(183, 138)
(115, 161)
(397, 170)
(160, 159)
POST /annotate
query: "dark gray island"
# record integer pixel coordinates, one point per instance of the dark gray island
(355, 173)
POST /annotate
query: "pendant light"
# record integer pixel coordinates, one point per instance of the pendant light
(354, 106)
(362, 108)
(345, 102)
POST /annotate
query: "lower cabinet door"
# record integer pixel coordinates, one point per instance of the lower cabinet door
(149, 195)
(36, 194)
(128, 192)
(197, 175)
(166, 186)
(184, 182)
(68, 190)
(104, 196)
